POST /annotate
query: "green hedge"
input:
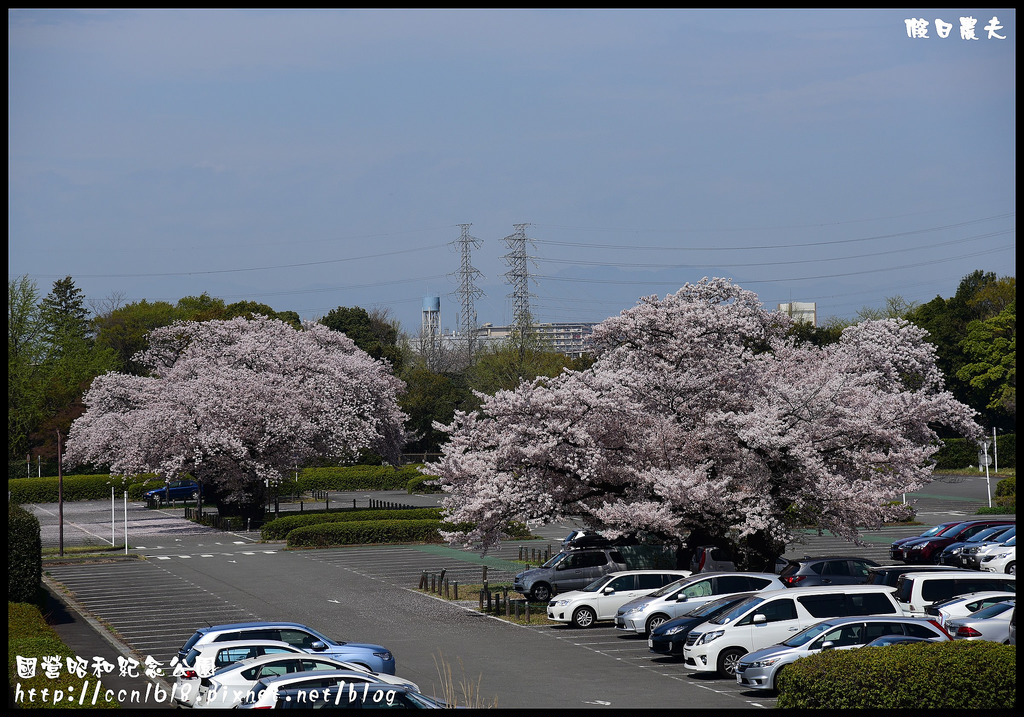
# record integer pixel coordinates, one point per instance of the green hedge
(420, 484)
(279, 528)
(356, 478)
(24, 555)
(962, 675)
(324, 535)
(1006, 493)
(957, 453)
(29, 636)
(78, 487)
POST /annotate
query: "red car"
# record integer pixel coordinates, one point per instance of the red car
(897, 547)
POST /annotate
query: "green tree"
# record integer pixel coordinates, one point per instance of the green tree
(430, 397)
(124, 330)
(991, 345)
(200, 308)
(24, 355)
(375, 333)
(521, 358)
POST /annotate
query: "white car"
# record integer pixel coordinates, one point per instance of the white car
(964, 605)
(989, 549)
(230, 685)
(990, 623)
(204, 660)
(264, 693)
(1001, 561)
(602, 598)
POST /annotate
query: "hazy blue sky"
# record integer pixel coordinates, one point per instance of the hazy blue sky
(311, 159)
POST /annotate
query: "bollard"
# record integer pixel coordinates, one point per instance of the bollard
(353, 504)
(433, 582)
(447, 594)
(527, 610)
(455, 587)
(423, 580)
(488, 608)
(506, 602)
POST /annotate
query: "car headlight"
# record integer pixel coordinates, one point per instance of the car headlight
(709, 637)
(674, 630)
(386, 656)
(632, 610)
(764, 663)
(563, 602)
(997, 556)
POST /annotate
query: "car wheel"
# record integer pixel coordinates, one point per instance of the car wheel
(1011, 568)
(656, 621)
(775, 679)
(584, 617)
(728, 660)
(540, 592)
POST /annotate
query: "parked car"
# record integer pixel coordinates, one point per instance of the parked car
(175, 490)
(669, 637)
(833, 570)
(890, 574)
(644, 614)
(767, 618)
(354, 697)
(265, 693)
(569, 570)
(603, 597)
(951, 553)
(1013, 626)
(585, 539)
(971, 557)
(917, 590)
(205, 660)
(373, 657)
(964, 605)
(887, 640)
(990, 623)
(760, 669)
(230, 686)
(896, 548)
(1002, 560)
(927, 550)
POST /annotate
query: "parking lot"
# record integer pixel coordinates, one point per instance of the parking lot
(192, 576)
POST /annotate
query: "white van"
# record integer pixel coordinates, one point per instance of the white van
(770, 617)
(915, 592)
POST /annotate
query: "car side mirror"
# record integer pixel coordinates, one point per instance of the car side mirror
(318, 646)
(827, 645)
(759, 619)
(608, 590)
(681, 598)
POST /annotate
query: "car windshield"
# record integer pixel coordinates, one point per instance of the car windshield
(671, 587)
(598, 584)
(936, 530)
(992, 610)
(737, 611)
(555, 560)
(987, 534)
(1011, 541)
(805, 636)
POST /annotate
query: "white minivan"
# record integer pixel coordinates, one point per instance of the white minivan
(771, 617)
(915, 592)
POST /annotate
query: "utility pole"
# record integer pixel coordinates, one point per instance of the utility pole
(468, 290)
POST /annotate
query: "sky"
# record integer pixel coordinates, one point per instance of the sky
(311, 159)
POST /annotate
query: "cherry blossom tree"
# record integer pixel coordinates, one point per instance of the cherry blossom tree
(700, 420)
(238, 404)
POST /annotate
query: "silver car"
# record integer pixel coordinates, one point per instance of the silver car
(990, 623)
(760, 669)
(646, 613)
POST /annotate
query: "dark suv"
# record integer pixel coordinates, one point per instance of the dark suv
(927, 550)
(831, 570)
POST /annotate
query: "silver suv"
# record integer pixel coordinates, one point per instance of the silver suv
(569, 570)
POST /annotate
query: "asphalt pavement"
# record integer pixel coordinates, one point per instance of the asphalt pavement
(98, 523)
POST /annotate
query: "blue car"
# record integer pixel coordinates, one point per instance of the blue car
(373, 657)
(176, 490)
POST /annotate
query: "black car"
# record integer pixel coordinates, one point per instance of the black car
(831, 570)
(669, 638)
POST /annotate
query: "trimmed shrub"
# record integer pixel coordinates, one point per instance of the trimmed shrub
(324, 535)
(29, 636)
(1006, 493)
(77, 487)
(356, 478)
(421, 484)
(956, 453)
(962, 675)
(279, 528)
(24, 555)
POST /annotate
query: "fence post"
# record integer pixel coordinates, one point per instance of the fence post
(527, 609)
(433, 579)
(505, 597)
(353, 504)
(441, 579)
(455, 586)
(423, 580)
(447, 593)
